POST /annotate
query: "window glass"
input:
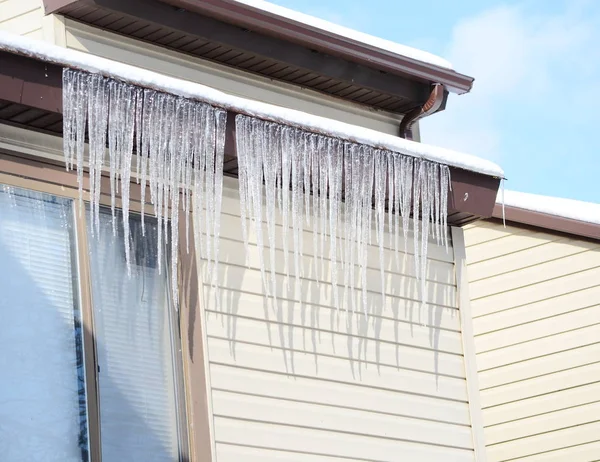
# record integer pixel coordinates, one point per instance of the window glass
(42, 385)
(134, 329)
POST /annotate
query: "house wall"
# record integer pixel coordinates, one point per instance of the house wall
(535, 299)
(147, 56)
(22, 17)
(290, 383)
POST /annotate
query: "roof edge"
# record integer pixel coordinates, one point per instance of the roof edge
(272, 24)
(547, 221)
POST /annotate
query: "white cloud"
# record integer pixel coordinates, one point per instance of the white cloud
(519, 60)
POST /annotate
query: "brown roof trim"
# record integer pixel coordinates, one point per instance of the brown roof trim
(31, 92)
(546, 221)
(255, 19)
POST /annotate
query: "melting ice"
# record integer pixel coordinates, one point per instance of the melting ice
(349, 184)
(180, 146)
(333, 188)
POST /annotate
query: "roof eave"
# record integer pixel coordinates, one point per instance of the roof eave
(547, 221)
(253, 18)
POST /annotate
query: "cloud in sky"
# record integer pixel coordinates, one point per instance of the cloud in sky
(522, 62)
(535, 105)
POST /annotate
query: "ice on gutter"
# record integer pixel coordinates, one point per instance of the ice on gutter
(587, 212)
(142, 77)
(348, 34)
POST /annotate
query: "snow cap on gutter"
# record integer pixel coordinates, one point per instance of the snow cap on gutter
(587, 212)
(347, 33)
(142, 77)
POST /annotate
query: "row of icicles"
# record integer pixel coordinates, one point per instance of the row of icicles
(336, 188)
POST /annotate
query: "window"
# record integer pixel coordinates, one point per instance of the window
(42, 394)
(89, 352)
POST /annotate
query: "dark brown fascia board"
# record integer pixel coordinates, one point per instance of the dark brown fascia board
(38, 85)
(30, 82)
(282, 29)
(548, 222)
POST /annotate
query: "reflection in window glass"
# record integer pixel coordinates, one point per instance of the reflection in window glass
(42, 385)
(133, 324)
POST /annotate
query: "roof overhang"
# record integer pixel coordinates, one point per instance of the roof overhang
(31, 97)
(548, 222)
(254, 40)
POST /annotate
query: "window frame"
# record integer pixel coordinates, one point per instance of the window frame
(195, 429)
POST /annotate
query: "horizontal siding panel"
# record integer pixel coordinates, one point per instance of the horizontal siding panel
(552, 402)
(479, 233)
(353, 421)
(231, 228)
(15, 8)
(541, 385)
(538, 329)
(314, 390)
(300, 339)
(297, 379)
(37, 34)
(331, 443)
(535, 274)
(537, 348)
(334, 369)
(401, 332)
(249, 280)
(231, 207)
(534, 293)
(545, 442)
(545, 423)
(238, 453)
(580, 453)
(530, 257)
(396, 310)
(505, 245)
(442, 272)
(561, 304)
(23, 24)
(539, 366)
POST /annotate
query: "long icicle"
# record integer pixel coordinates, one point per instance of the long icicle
(169, 158)
(318, 165)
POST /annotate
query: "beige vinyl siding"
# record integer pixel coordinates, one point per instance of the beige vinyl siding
(290, 384)
(98, 42)
(535, 299)
(22, 17)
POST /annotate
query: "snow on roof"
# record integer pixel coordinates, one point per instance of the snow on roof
(347, 33)
(588, 212)
(142, 77)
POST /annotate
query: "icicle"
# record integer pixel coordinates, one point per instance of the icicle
(270, 166)
(126, 116)
(444, 185)
(334, 173)
(286, 166)
(297, 202)
(221, 122)
(323, 199)
(365, 220)
(503, 211)
(408, 171)
(175, 144)
(380, 180)
(98, 123)
(315, 148)
(392, 210)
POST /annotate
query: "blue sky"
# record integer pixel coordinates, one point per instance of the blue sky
(535, 105)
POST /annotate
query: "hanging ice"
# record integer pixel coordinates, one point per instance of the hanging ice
(288, 161)
(179, 144)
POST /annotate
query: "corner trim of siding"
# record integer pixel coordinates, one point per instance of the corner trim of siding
(466, 324)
